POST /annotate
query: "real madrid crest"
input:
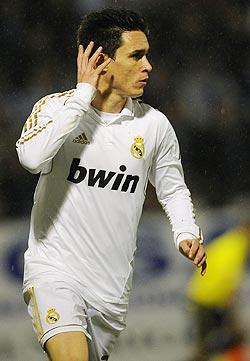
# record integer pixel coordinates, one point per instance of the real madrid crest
(52, 316)
(137, 148)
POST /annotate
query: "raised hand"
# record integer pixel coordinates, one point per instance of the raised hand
(88, 68)
(194, 250)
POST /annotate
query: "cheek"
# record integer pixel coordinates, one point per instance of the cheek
(124, 75)
(124, 69)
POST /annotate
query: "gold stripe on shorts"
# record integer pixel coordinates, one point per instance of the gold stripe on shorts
(35, 314)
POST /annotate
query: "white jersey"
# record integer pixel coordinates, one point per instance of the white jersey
(91, 190)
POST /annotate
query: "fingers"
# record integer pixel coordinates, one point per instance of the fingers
(95, 58)
(96, 55)
(198, 255)
(195, 252)
(90, 67)
(80, 55)
(86, 54)
(199, 258)
(203, 268)
(83, 56)
(203, 264)
(79, 59)
(194, 249)
(184, 247)
(102, 66)
(80, 52)
(89, 49)
(203, 259)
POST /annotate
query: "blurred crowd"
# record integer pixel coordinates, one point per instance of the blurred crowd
(201, 81)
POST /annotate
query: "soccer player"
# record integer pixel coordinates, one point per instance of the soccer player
(96, 147)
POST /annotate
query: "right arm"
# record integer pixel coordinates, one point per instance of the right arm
(167, 176)
(54, 117)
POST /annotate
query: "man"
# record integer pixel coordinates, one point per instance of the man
(96, 147)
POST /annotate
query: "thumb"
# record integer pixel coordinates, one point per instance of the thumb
(184, 247)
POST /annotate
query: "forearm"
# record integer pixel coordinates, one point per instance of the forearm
(179, 209)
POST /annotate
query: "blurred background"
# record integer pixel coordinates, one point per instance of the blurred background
(200, 52)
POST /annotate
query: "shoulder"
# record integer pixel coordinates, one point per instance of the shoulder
(54, 100)
(158, 118)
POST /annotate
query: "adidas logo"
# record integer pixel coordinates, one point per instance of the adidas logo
(81, 139)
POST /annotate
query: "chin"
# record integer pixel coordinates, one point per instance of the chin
(137, 94)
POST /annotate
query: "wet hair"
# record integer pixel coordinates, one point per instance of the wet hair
(105, 28)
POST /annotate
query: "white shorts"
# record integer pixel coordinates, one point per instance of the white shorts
(55, 308)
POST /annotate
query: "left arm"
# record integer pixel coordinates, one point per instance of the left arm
(167, 176)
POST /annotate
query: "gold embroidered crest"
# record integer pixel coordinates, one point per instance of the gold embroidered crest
(137, 148)
(52, 316)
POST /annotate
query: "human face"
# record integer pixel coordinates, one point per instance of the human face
(129, 70)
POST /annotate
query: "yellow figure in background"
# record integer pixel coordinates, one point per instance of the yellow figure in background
(220, 337)
(227, 255)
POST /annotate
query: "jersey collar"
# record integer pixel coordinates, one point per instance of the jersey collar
(127, 113)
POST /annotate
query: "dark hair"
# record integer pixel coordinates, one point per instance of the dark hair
(105, 28)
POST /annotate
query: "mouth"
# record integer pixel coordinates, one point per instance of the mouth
(143, 81)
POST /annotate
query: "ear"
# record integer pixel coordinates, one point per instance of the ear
(102, 57)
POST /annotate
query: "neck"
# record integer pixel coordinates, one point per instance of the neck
(111, 103)
(107, 100)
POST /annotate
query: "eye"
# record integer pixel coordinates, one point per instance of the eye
(137, 56)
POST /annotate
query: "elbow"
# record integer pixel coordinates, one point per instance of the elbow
(30, 163)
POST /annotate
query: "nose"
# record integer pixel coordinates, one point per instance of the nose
(147, 65)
